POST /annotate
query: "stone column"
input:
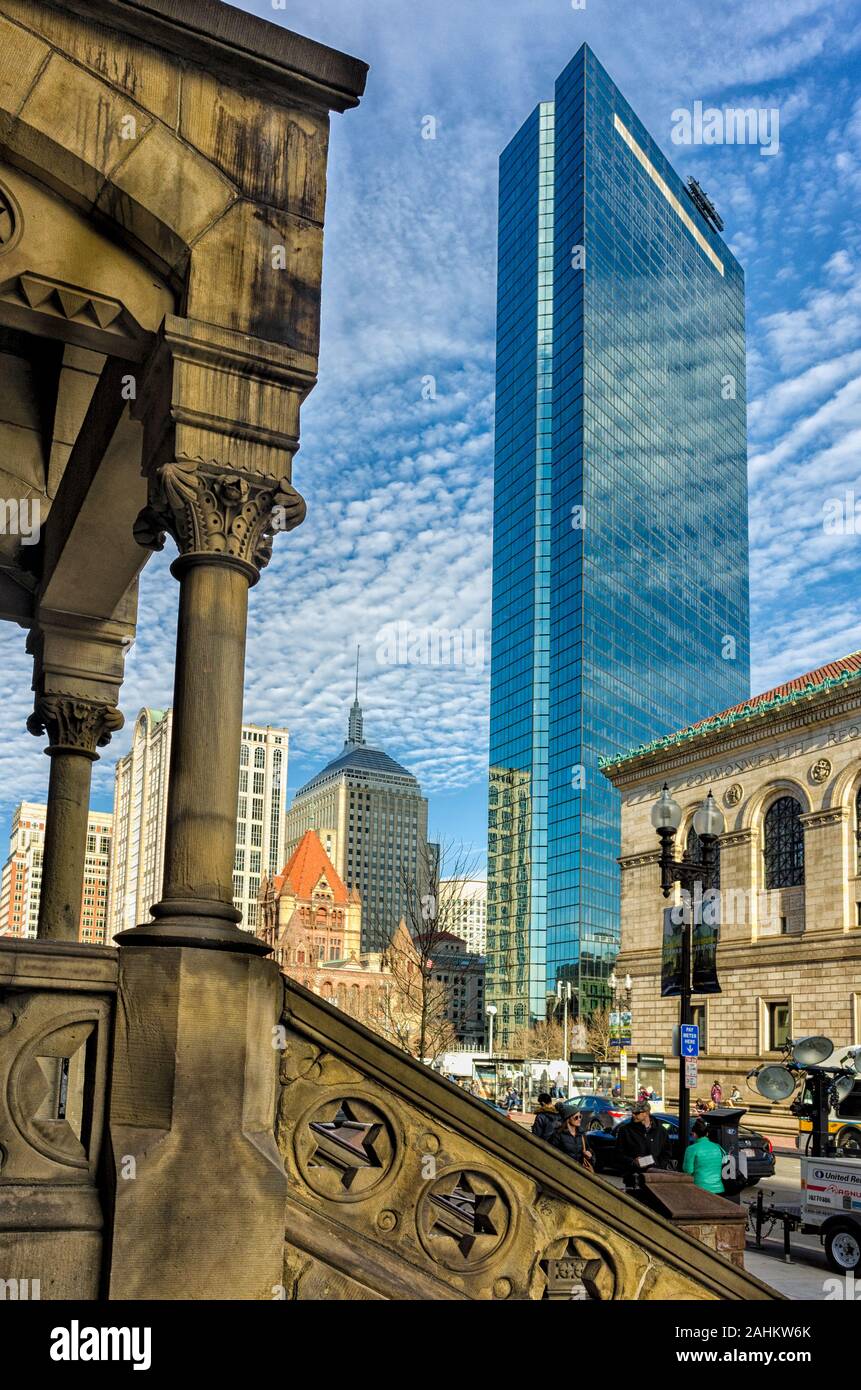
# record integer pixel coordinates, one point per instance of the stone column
(75, 728)
(78, 672)
(223, 520)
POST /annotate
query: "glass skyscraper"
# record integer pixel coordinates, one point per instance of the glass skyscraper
(620, 580)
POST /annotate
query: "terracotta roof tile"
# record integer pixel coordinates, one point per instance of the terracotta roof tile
(308, 864)
(812, 682)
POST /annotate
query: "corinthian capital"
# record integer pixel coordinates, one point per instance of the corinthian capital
(220, 514)
(73, 724)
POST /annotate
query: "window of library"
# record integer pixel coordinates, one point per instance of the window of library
(777, 1025)
(699, 1016)
(784, 844)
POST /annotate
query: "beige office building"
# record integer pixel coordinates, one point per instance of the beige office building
(785, 768)
(21, 881)
(466, 911)
(371, 818)
(140, 818)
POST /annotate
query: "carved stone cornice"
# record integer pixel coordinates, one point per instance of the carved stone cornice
(835, 815)
(217, 514)
(639, 861)
(74, 725)
(734, 838)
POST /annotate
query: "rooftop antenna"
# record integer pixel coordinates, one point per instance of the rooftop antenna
(358, 649)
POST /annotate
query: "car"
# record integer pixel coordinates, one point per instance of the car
(757, 1148)
(599, 1112)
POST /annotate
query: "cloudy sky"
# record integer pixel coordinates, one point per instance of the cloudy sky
(399, 486)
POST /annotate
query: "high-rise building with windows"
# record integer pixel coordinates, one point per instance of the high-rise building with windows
(140, 818)
(465, 912)
(620, 581)
(21, 881)
(371, 818)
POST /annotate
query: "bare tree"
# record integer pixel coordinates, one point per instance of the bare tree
(598, 1035)
(543, 1041)
(414, 952)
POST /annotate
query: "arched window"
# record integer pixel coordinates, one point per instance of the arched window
(243, 755)
(342, 997)
(784, 844)
(695, 853)
(858, 829)
(327, 989)
(259, 757)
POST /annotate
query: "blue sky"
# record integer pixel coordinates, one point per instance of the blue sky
(400, 487)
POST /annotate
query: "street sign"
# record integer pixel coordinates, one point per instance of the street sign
(691, 1073)
(690, 1040)
(623, 1065)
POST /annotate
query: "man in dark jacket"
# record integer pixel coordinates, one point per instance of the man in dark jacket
(642, 1144)
(547, 1118)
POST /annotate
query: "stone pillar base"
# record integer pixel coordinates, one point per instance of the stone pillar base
(200, 1187)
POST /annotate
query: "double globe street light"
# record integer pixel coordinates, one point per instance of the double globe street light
(696, 880)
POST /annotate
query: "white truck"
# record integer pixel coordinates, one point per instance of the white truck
(831, 1207)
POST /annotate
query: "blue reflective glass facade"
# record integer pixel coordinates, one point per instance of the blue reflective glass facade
(620, 584)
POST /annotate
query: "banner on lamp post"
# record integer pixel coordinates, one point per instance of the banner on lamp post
(671, 954)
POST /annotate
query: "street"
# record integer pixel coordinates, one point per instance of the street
(806, 1275)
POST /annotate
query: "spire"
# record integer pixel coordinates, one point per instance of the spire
(354, 728)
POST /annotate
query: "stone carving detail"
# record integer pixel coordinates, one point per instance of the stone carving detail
(10, 220)
(733, 795)
(820, 771)
(345, 1148)
(74, 724)
(69, 311)
(463, 1218)
(210, 512)
(577, 1268)
(52, 1086)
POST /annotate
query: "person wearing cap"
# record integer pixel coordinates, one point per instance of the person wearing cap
(642, 1143)
(570, 1139)
(547, 1117)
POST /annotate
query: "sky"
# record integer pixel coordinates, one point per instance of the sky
(397, 438)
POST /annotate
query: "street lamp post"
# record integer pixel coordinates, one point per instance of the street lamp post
(695, 879)
(491, 1014)
(563, 995)
(618, 995)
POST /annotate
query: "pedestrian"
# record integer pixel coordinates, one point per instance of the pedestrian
(547, 1117)
(569, 1139)
(736, 1096)
(701, 1107)
(704, 1159)
(642, 1144)
(716, 1093)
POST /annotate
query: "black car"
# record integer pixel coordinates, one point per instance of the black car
(756, 1148)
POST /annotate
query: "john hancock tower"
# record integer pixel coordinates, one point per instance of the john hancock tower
(620, 576)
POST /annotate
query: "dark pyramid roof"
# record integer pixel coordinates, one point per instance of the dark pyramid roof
(360, 758)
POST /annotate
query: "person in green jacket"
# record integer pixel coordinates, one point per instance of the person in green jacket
(704, 1159)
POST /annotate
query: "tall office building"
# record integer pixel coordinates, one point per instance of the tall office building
(372, 821)
(620, 585)
(140, 818)
(21, 880)
(466, 911)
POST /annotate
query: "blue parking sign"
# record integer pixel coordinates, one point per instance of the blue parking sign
(690, 1040)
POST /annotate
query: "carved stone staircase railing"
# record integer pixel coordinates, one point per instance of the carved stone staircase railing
(401, 1186)
(56, 1012)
